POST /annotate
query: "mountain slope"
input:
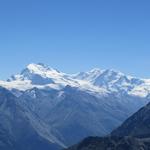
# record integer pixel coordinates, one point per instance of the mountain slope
(133, 134)
(137, 125)
(80, 114)
(111, 143)
(19, 129)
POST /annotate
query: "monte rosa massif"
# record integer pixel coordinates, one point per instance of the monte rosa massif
(43, 108)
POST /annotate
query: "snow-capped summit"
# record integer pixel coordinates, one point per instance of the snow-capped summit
(88, 76)
(112, 77)
(93, 74)
(115, 81)
(96, 80)
(38, 74)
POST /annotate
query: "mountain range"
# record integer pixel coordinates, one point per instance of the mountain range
(54, 109)
(96, 80)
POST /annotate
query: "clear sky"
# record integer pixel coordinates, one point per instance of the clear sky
(75, 35)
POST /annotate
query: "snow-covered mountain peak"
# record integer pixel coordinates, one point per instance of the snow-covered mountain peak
(110, 75)
(95, 73)
(115, 81)
(39, 68)
(88, 76)
(95, 70)
(38, 74)
(95, 81)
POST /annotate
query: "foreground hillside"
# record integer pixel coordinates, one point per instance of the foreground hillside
(112, 143)
(138, 125)
(133, 134)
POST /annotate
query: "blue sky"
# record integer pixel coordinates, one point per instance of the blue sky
(75, 35)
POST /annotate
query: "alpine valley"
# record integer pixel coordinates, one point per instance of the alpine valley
(43, 108)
